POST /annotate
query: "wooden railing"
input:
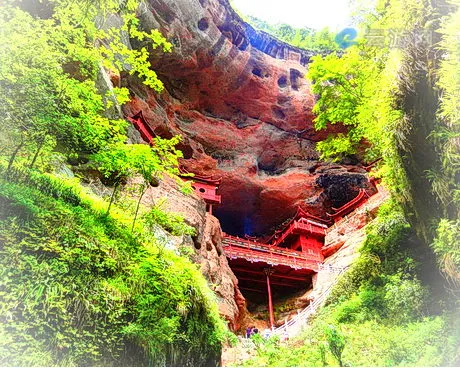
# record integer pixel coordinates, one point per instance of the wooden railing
(295, 325)
(350, 206)
(297, 225)
(253, 251)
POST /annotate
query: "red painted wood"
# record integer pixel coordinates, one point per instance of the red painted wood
(372, 164)
(275, 275)
(270, 302)
(207, 192)
(350, 206)
(257, 252)
(142, 126)
(257, 281)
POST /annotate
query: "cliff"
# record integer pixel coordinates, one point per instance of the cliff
(239, 99)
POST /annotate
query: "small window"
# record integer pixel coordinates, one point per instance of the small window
(282, 81)
(202, 190)
(203, 24)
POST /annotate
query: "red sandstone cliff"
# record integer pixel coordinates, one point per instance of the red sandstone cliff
(240, 101)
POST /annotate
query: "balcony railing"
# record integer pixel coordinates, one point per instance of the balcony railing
(252, 251)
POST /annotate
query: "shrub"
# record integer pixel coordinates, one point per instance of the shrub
(77, 288)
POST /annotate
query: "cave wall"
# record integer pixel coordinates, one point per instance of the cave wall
(240, 101)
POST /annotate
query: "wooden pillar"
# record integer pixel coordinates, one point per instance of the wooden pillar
(268, 272)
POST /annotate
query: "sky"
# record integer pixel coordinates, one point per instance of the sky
(318, 14)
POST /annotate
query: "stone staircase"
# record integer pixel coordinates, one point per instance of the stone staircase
(347, 236)
(295, 325)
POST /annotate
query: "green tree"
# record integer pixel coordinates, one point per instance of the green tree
(304, 38)
(336, 342)
(343, 84)
(121, 161)
(40, 102)
(48, 71)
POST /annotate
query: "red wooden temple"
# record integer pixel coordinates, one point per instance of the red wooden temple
(290, 256)
(141, 125)
(286, 260)
(205, 187)
(350, 206)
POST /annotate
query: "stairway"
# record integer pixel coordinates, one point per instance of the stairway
(295, 325)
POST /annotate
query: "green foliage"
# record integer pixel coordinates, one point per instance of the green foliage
(383, 281)
(358, 91)
(427, 343)
(125, 160)
(122, 161)
(109, 43)
(335, 342)
(352, 309)
(364, 268)
(445, 135)
(430, 342)
(78, 289)
(172, 222)
(447, 249)
(304, 38)
(49, 96)
(400, 292)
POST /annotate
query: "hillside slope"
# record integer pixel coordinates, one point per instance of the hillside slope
(79, 288)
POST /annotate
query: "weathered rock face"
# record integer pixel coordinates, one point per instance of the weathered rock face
(240, 100)
(214, 266)
(207, 246)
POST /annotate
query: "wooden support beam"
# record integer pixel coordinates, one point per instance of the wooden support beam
(279, 275)
(252, 290)
(263, 282)
(299, 245)
(268, 272)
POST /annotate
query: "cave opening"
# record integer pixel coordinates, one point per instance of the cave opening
(275, 269)
(257, 72)
(273, 244)
(295, 76)
(282, 81)
(203, 24)
(286, 284)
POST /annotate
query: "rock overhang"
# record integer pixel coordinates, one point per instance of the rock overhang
(239, 99)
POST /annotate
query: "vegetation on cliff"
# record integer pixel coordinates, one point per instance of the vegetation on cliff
(84, 280)
(383, 313)
(399, 100)
(304, 38)
(79, 288)
(397, 92)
